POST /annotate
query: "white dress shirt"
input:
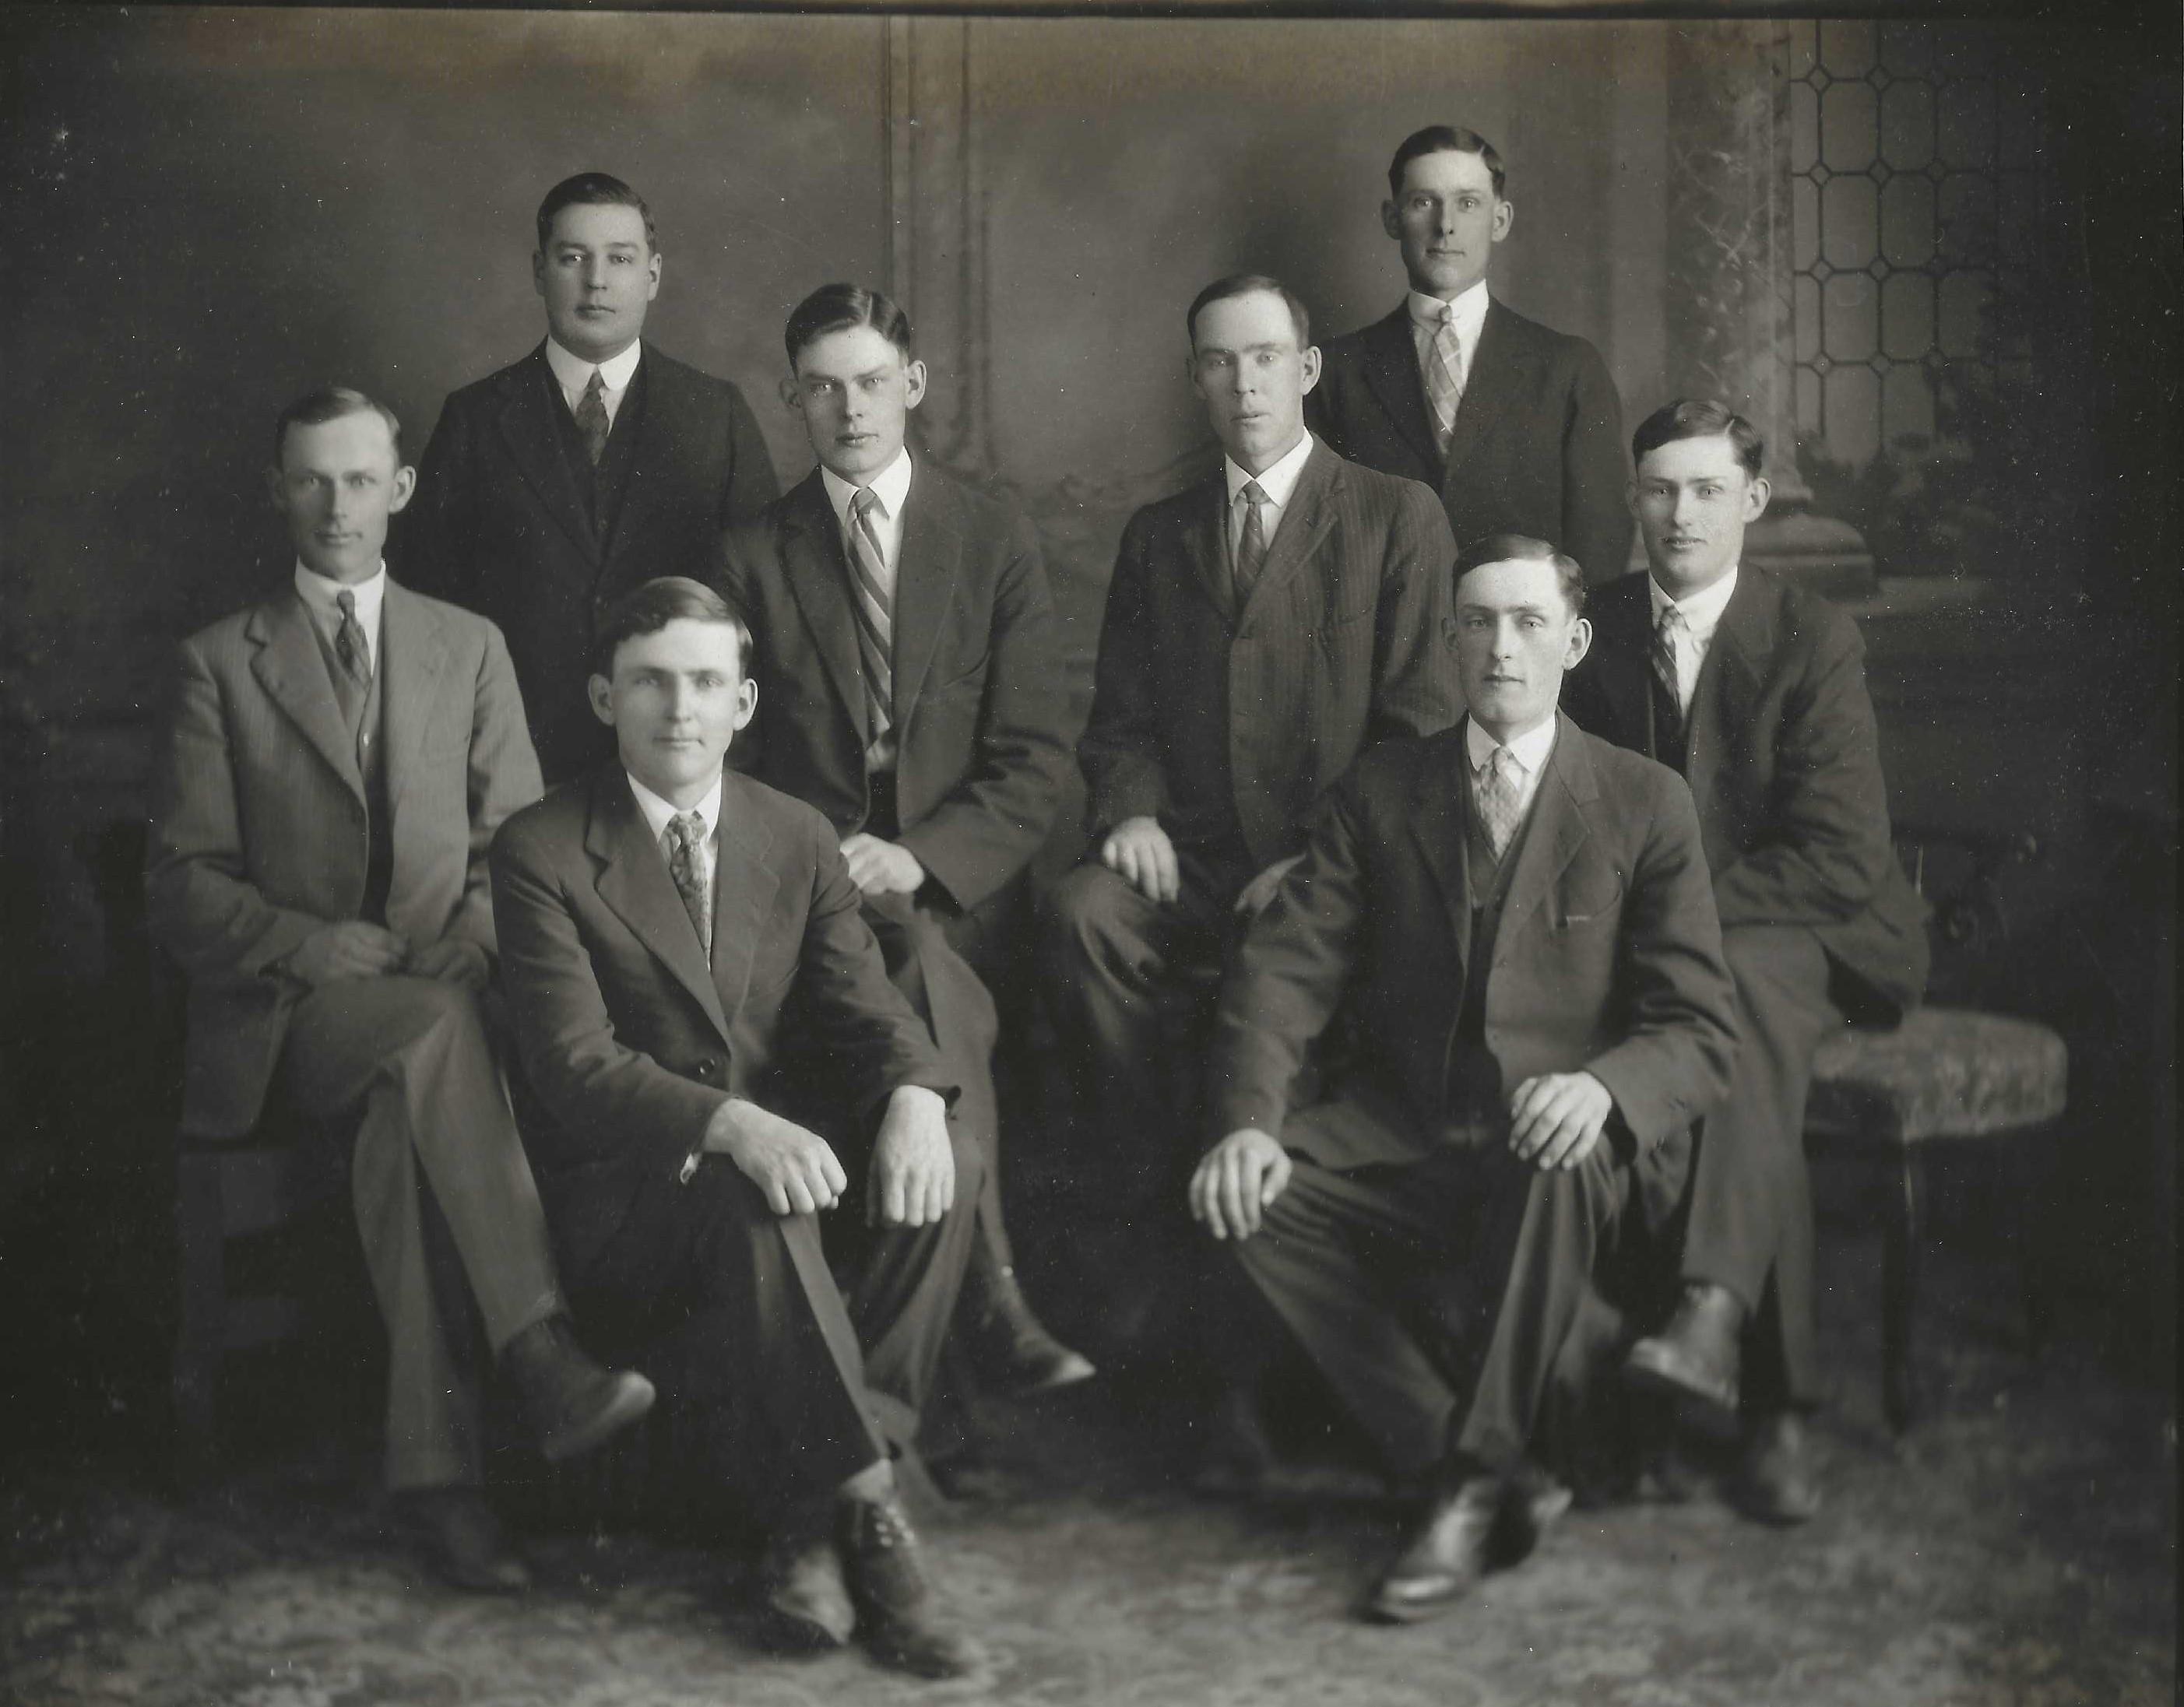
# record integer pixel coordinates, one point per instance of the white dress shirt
(657, 813)
(1701, 613)
(1529, 750)
(1470, 307)
(891, 486)
(1278, 482)
(322, 598)
(573, 374)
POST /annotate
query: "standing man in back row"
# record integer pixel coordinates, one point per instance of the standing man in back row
(590, 466)
(1518, 427)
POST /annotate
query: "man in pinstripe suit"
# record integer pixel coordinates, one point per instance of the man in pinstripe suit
(337, 761)
(1261, 628)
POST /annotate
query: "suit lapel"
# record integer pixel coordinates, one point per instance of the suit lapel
(924, 583)
(533, 435)
(1305, 521)
(411, 656)
(1501, 375)
(1391, 370)
(1205, 543)
(818, 577)
(291, 669)
(1730, 677)
(1437, 827)
(634, 884)
(653, 407)
(1558, 829)
(743, 885)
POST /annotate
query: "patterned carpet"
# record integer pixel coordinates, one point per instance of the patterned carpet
(2018, 1547)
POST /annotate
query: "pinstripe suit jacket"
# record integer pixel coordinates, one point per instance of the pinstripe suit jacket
(1349, 636)
(260, 832)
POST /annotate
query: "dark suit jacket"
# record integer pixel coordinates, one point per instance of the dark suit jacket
(1784, 759)
(261, 836)
(981, 705)
(1349, 636)
(1607, 960)
(628, 1038)
(1538, 447)
(499, 523)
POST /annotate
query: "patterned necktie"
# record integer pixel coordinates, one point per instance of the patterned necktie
(1251, 543)
(592, 417)
(1444, 376)
(349, 640)
(686, 830)
(874, 604)
(1669, 633)
(1498, 785)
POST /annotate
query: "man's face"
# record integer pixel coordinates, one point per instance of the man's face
(1516, 635)
(597, 273)
(1694, 500)
(676, 700)
(1446, 220)
(855, 392)
(1246, 363)
(337, 485)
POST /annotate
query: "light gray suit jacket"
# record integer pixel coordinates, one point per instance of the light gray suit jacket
(260, 830)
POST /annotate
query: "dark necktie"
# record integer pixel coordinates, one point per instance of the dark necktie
(686, 831)
(874, 603)
(349, 640)
(1665, 630)
(1251, 543)
(592, 417)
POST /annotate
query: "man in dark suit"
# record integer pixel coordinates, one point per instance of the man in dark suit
(339, 757)
(1755, 691)
(595, 462)
(1515, 917)
(1518, 427)
(668, 928)
(916, 697)
(1261, 628)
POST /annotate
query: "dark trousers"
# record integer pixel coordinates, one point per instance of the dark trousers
(1452, 1301)
(1117, 966)
(738, 1316)
(1750, 1220)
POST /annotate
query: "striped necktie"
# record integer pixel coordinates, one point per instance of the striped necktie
(874, 603)
(1444, 376)
(349, 645)
(1252, 541)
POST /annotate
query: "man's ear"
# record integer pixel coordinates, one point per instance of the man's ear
(538, 271)
(792, 398)
(1392, 220)
(275, 491)
(1756, 491)
(915, 373)
(1580, 642)
(654, 266)
(1505, 214)
(406, 488)
(1310, 363)
(601, 693)
(746, 704)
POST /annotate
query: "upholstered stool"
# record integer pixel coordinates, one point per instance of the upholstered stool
(1946, 1075)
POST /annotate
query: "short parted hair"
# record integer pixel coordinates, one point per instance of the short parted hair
(1444, 139)
(1700, 418)
(839, 308)
(650, 607)
(1249, 284)
(593, 190)
(1522, 548)
(330, 403)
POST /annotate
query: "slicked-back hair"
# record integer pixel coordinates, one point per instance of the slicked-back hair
(1522, 547)
(1700, 418)
(650, 607)
(1249, 284)
(839, 309)
(1443, 139)
(593, 190)
(330, 403)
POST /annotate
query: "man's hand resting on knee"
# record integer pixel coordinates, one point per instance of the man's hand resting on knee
(1138, 852)
(1236, 1182)
(352, 949)
(792, 1165)
(912, 1182)
(1555, 1118)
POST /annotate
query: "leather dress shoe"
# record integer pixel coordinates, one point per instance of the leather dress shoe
(1010, 1347)
(465, 1540)
(805, 1598)
(1487, 1523)
(899, 1618)
(570, 1403)
(1775, 1481)
(1695, 1354)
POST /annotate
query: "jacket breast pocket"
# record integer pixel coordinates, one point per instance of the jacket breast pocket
(1590, 899)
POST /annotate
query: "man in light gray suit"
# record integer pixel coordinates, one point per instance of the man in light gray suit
(338, 758)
